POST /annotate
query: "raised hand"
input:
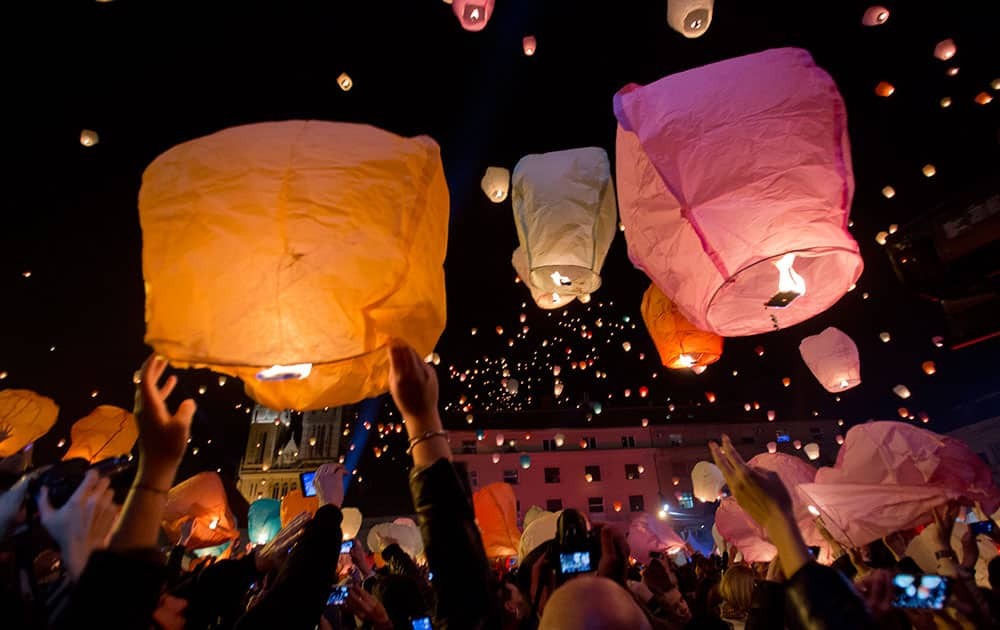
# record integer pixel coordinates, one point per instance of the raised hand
(614, 554)
(366, 608)
(944, 518)
(760, 493)
(329, 484)
(83, 524)
(414, 388)
(162, 436)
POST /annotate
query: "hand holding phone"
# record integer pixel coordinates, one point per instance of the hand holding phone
(982, 527)
(337, 596)
(345, 547)
(421, 623)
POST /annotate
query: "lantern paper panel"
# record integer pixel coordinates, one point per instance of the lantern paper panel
(295, 503)
(496, 183)
(201, 499)
(679, 342)
(289, 253)
(108, 431)
(541, 529)
(496, 514)
(690, 18)
(566, 217)
(707, 481)
(646, 533)
(263, 520)
(832, 357)
(24, 417)
(473, 14)
(351, 524)
(543, 299)
(720, 209)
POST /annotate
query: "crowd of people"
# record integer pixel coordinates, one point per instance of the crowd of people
(84, 561)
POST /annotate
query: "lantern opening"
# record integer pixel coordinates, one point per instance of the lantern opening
(473, 13)
(297, 371)
(790, 284)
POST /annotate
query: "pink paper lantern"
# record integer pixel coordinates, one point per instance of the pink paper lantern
(945, 49)
(529, 45)
(473, 14)
(832, 357)
(719, 207)
(875, 15)
(646, 534)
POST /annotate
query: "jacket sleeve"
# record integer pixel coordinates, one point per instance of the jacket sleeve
(820, 598)
(300, 591)
(217, 592)
(463, 583)
(767, 608)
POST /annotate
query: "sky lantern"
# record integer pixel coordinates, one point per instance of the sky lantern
(679, 343)
(772, 447)
(928, 170)
(557, 389)
(512, 386)
(496, 183)
(945, 49)
(263, 520)
(875, 15)
(881, 237)
(983, 98)
(839, 439)
(745, 243)
(888, 192)
(786, 381)
(565, 213)
(496, 458)
(903, 412)
(525, 461)
(885, 337)
(771, 415)
(690, 18)
(345, 82)
(499, 439)
(24, 416)
(812, 450)
(258, 258)
(295, 503)
(707, 481)
(945, 101)
(885, 89)
(832, 357)
(710, 396)
(559, 439)
(929, 368)
(201, 500)
(529, 45)
(89, 138)
(495, 507)
(547, 300)
(473, 14)
(107, 431)
(351, 524)
(902, 391)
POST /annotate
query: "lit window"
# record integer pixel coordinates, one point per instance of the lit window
(628, 441)
(676, 439)
(687, 501)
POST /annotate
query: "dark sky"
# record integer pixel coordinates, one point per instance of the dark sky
(148, 75)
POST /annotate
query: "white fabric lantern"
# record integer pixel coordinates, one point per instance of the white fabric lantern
(89, 138)
(832, 357)
(496, 183)
(543, 299)
(560, 439)
(772, 447)
(351, 523)
(565, 213)
(812, 450)
(707, 481)
(690, 18)
(902, 391)
(512, 386)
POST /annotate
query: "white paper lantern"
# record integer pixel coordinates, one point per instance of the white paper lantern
(560, 439)
(351, 523)
(499, 439)
(832, 357)
(496, 458)
(565, 212)
(496, 183)
(812, 450)
(512, 386)
(772, 447)
(543, 299)
(89, 138)
(902, 391)
(707, 481)
(557, 389)
(690, 18)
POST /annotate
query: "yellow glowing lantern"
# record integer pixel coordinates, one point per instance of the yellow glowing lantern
(589, 478)
(928, 170)
(559, 439)
(888, 192)
(945, 101)
(200, 500)
(884, 89)
(24, 417)
(690, 18)
(812, 450)
(496, 183)
(617, 505)
(108, 431)
(885, 337)
(345, 82)
(89, 138)
(246, 288)
(902, 391)
(952, 71)
(929, 368)
(881, 237)
(786, 381)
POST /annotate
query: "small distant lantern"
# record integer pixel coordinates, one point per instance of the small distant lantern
(496, 458)
(628, 393)
(771, 415)
(929, 368)
(902, 391)
(983, 98)
(222, 381)
(786, 381)
(884, 89)
(525, 461)
(875, 15)
(473, 14)
(496, 183)
(559, 440)
(312, 441)
(903, 412)
(797, 444)
(924, 417)
(676, 481)
(556, 370)
(885, 337)
(627, 346)
(812, 450)
(643, 391)
(746, 407)
(710, 396)
(499, 439)
(945, 49)
(928, 170)
(480, 434)
(557, 389)
(89, 138)
(690, 18)
(345, 82)
(952, 71)
(881, 237)
(888, 192)
(839, 439)
(772, 447)
(583, 443)
(469, 418)
(945, 102)
(759, 351)
(645, 422)
(938, 341)
(617, 505)
(588, 478)
(512, 386)
(529, 45)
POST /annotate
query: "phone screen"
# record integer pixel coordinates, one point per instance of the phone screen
(345, 547)
(337, 596)
(919, 591)
(308, 489)
(423, 623)
(574, 562)
(982, 527)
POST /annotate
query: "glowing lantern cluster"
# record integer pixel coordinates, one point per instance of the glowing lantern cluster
(107, 431)
(263, 520)
(875, 15)
(473, 14)
(25, 416)
(742, 243)
(200, 499)
(258, 262)
(565, 213)
(679, 342)
(496, 183)
(690, 18)
(832, 357)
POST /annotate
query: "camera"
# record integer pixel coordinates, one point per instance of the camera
(577, 548)
(64, 478)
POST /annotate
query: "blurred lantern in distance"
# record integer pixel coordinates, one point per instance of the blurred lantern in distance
(473, 14)
(875, 15)
(945, 49)
(929, 368)
(525, 461)
(529, 45)
(771, 415)
(496, 183)
(345, 82)
(706, 481)
(89, 138)
(840, 439)
(797, 444)
(812, 450)
(690, 18)
(24, 417)
(881, 237)
(885, 337)
(928, 170)
(259, 260)
(352, 523)
(772, 447)
(884, 89)
(833, 359)
(902, 391)
(888, 192)
(710, 396)
(107, 431)
(786, 381)
(683, 224)
(200, 499)
(263, 520)
(679, 343)
(565, 213)
(983, 98)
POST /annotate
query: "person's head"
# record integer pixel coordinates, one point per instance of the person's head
(515, 605)
(676, 606)
(736, 589)
(536, 578)
(590, 602)
(994, 572)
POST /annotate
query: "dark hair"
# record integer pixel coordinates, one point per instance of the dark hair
(994, 572)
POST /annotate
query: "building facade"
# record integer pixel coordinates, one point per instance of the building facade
(615, 474)
(273, 459)
(984, 438)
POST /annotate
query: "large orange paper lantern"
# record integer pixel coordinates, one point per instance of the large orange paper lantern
(294, 503)
(289, 253)
(108, 431)
(24, 417)
(201, 499)
(496, 514)
(679, 342)
(832, 357)
(719, 207)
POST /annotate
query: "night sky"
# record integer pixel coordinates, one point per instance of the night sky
(148, 75)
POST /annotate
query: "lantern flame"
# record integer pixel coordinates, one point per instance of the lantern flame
(561, 280)
(685, 360)
(790, 284)
(214, 523)
(297, 371)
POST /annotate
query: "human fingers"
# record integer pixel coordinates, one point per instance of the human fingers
(168, 387)
(151, 371)
(45, 509)
(399, 358)
(720, 460)
(185, 412)
(731, 452)
(86, 487)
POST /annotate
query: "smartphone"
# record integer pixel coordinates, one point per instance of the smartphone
(345, 547)
(981, 527)
(421, 623)
(308, 489)
(919, 591)
(337, 596)
(574, 562)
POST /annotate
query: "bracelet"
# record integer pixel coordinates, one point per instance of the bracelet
(426, 436)
(140, 486)
(945, 553)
